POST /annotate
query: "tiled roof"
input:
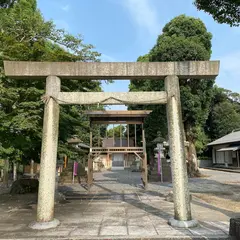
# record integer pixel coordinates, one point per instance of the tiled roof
(231, 137)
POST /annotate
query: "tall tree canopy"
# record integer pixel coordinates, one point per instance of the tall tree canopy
(7, 3)
(182, 39)
(224, 116)
(25, 35)
(223, 11)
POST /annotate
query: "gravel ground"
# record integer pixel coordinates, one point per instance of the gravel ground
(3, 188)
(220, 189)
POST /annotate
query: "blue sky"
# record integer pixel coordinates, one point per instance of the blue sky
(122, 30)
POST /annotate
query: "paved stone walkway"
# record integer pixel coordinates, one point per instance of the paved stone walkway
(116, 208)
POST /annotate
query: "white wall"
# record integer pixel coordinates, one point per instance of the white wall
(222, 157)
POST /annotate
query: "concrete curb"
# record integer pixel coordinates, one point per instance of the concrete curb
(222, 169)
(216, 237)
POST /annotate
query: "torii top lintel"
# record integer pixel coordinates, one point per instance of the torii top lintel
(112, 70)
(118, 117)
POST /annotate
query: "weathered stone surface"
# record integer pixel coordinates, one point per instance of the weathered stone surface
(45, 208)
(44, 225)
(114, 221)
(114, 70)
(183, 224)
(113, 230)
(142, 230)
(169, 197)
(139, 221)
(87, 230)
(182, 210)
(114, 98)
(173, 233)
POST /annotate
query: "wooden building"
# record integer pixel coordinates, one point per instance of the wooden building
(225, 150)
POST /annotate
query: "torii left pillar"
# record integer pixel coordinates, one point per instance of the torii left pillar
(46, 191)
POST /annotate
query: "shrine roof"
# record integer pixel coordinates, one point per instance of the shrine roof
(123, 116)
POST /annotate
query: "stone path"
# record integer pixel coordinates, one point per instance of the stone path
(116, 208)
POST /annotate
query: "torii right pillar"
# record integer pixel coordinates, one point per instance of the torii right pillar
(181, 197)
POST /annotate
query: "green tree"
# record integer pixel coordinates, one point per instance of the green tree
(223, 11)
(119, 130)
(7, 3)
(26, 36)
(224, 116)
(182, 39)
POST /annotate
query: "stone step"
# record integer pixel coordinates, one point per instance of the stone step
(164, 236)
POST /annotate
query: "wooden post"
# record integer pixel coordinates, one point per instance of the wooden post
(238, 158)
(113, 137)
(226, 164)
(108, 160)
(90, 171)
(120, 135)
(144, 163)
(90, 163)
(65, 161)
(135, 133)
(90, 141)
(215, 155)
(128, 134)
(99, 136)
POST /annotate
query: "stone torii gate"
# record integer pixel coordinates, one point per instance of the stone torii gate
(54, 71)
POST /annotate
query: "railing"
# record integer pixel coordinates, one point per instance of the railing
(116, 149)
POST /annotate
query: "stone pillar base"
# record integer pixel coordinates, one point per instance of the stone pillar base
(182, 224)
(44, 225)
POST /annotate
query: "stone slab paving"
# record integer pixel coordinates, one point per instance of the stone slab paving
(116, 208)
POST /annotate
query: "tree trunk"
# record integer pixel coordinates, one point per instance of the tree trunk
(14, 171)
(192, 160)
(2, 174)
(31, 168)
(5, 173)
(192, 164)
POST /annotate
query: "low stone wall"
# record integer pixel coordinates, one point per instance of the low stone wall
(205, 163)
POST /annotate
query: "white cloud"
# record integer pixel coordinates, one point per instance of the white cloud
(143, 14)
(107, 58)
(66, 8)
